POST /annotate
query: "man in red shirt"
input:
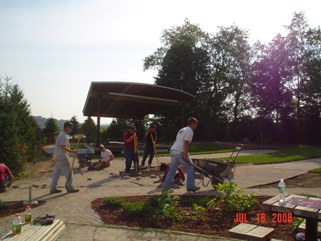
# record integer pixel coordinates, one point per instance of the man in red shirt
(130, 151)
(5, 176)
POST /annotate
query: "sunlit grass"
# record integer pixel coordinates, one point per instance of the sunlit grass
(282, 155)
(207, 148)
(317, 170)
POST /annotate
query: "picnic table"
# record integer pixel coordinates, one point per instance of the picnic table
(32, 232)
(299, 206)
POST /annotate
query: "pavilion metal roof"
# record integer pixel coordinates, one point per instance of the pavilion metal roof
(132, 100)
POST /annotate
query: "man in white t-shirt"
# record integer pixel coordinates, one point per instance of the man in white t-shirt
(106, 158)
(61, 159)
(179, 155)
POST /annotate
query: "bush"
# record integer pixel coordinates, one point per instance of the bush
(198, 213)
(201, 201)
(129, 208)
(116, 202)
(231, 198)
(165, 207)
(2, 205)
(134, 208)
(296, 223)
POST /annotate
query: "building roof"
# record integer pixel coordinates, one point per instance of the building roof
(131, 100)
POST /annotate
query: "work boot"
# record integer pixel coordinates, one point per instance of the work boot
(56, 191)
(194, 189)
(73, 190)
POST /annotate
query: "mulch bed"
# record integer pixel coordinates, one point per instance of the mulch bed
(217, 221)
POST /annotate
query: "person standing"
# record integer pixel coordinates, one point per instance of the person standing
(179, 155)
(150, 142)
(62, 162)
(131, 150)
(6, 177)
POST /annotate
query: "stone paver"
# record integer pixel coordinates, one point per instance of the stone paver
(82, 223)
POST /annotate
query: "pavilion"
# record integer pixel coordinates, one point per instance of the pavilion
(131, 100)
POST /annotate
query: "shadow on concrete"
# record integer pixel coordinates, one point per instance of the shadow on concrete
(47, 197)
(99, 183)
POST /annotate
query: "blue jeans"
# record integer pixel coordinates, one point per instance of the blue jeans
(3, 185)
(131, 156)
(62, 166)
(148, 150)
(176, 160)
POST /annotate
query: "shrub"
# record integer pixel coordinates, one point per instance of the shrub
(114, 201)
(2, 205)
(297, 222)
(230, 196)
(133, 208)
(165, 207)
(201, 201)
(129, 208)
(198, 213)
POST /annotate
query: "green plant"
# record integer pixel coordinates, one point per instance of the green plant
(114, 201)
(133, 208)
(202, 201)
(21, 175)
(198, 213)
(2, 205)
(230, 196)
(165, 206)
(213, 203)
(297, 222)
(129, 208)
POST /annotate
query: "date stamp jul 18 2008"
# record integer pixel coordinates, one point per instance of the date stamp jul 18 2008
(261, 218)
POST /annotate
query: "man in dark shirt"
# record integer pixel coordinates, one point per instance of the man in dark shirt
(150, 141)
(130, 150)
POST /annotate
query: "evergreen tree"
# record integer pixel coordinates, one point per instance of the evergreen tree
(76, 126)
(17, 128)
(90, 130)
(50, 131)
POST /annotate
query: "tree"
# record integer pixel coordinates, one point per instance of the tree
(118, 126)
(227, 92)
(183, 64)
(90, 130)
(50, 131)
(277, 86)
(305, 59)
(286, 81)
(76, 126)
(215, 69)
(17, 138)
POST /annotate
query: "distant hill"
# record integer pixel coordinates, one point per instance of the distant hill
(41, 121)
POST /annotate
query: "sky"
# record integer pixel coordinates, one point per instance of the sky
(54, 49)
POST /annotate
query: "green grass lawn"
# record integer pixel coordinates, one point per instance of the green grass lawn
(317, 170)
(80, 146)
(282, 155)
(207, 148)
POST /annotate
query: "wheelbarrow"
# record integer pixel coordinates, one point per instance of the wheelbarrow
(218, 170)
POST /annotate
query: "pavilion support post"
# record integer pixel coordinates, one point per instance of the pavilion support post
(98, 122)
(98, 130)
